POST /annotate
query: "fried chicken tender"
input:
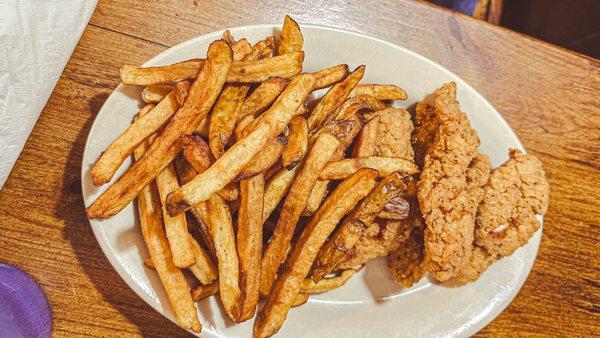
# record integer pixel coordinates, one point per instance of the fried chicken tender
(446, 200)
(406, 262)
(514, 194)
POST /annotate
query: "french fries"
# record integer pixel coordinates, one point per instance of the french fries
(277, 187)
(266, 159)
(203, 268)
(205, 291)
(367, 139)
(262, 97)
(155, 93)
(285, 66)
(334, 98)
(330, 76)
(249, 243)
(356, 103)
(298, 265)
(224, 115)
(381, 92)
(327, 284)
(172, 278)
(384, 165)
(228, 166)
(151, 119)
(316, 197)
(300, 299)
(274, 255)
(297, 143)
(202, 95)
(291, 37)
(348, 233)
(146, 76)
(221, 228)
(176, 226)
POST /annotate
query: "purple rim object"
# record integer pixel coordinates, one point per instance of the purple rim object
(24, 309)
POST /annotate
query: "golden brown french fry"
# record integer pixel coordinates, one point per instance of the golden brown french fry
(329, 76)
(286, 66)
(349, 232)
(203, 268)
(228, 166)
(317, 195)
(155, 93)
(221, 229)
(202, 129)
(297, 143)
(149, 263)
(334, 98)
(294, 203)
(172, 278)
(277, 187)
(300, 299)
(145, 76)
(327, 284)
(288, 285)
(338, 170)
(241, 126)
(176, 226)
(228, 37)
(291, 37)
(262, 97)
(356, 103)
(225, 115)
(204, 291)
(367, 139)
(202, 95)
(381, 92)
(240, 49)
(249, 243)
(264, 160)
(151, 119)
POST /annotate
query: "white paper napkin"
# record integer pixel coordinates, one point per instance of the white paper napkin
(37, 38)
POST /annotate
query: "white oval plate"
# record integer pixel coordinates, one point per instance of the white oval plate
(370, 304)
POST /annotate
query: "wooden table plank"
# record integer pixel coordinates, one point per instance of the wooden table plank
(548, 95)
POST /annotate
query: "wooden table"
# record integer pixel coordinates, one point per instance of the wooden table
(548, 95)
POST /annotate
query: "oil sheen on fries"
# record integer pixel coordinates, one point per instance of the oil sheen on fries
(294, 204)
(228, 166)
(200, 99)
(288, 285)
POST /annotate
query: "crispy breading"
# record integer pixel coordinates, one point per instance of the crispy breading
(406, 262)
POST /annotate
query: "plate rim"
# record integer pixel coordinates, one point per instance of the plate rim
(113, 260)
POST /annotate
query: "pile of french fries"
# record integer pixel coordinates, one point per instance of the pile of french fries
(241, 178)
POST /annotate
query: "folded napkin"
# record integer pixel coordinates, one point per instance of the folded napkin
(37, 38)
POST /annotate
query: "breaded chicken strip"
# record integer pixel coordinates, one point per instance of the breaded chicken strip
(446, 201)
(514, 194)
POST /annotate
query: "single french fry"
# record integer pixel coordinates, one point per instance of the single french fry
(297, 143)
(356, 103)
(202, 95)
(225, 115)
(155, 93)
(202, 129)
(291, 37)
(348, 233)
(264, 160)
(300, 299)
(203, 268)
(274, 254)
(338, 170)
(300, 260)
(228, 166)
(151, 119)
(240, 49)
(176, 226)
(367, 139)
(228, 37)
(204, 291)
(221, 229)
(381, 92)
(263, 96)
(327, 284)
(172, 278)
(145, 76)
(285, 66)
(277, 187)
(329, 76)
(241, 126)
(334, 98)
(249, 243)
(317, 195)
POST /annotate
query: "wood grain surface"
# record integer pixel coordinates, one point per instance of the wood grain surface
(550, 96)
